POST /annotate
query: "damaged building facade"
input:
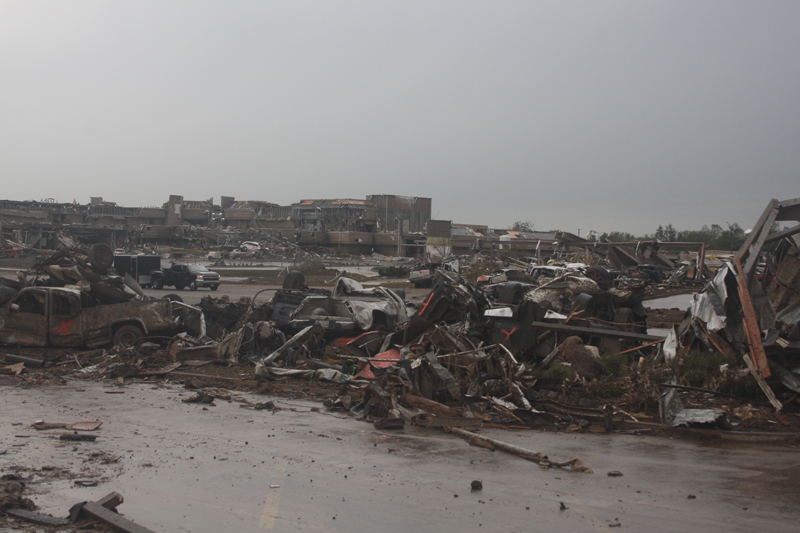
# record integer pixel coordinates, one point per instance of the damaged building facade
(348, 226)
(383, 224)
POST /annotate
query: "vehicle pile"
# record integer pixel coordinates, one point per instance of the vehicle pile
(72, 299)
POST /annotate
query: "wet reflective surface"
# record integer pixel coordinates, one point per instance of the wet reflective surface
(183, 468)
(676, 301)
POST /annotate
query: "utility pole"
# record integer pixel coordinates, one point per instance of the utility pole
(399, 235)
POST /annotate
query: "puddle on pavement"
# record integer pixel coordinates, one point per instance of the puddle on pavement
(676, 301)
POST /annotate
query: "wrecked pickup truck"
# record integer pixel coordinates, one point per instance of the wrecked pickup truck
(57, 316)
(351, 306)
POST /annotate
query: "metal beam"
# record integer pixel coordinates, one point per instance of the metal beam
(755, 249)
(580, 330)
(790, 210)
(781, 234)
(745, 249)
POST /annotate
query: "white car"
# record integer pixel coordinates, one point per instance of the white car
(241, 253)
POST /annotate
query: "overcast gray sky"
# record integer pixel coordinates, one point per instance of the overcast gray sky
(593, 115)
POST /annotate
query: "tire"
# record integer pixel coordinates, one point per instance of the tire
(214, 287)
(101, 256)
(510, 293)
(400, 292)
(127, 336)
(158, 284)
(600, 276)
(193, 286)
(173, 298)
(624, 319)
(379, 323)
(583, 306)
(294, 280)
(179, 286)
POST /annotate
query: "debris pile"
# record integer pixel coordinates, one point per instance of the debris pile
(502, 351)
(455, 362)
(88, 273)
(752, 306)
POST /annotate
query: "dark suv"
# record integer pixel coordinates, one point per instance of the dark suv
(182, 275)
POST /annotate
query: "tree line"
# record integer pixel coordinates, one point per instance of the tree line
(715, 236)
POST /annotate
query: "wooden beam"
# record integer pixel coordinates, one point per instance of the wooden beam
(117, 522)
(750, 322)
(743, 251)
(763, 384)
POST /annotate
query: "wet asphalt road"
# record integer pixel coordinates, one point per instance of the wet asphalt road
(225, 468)
(236, 290)
(233, 290)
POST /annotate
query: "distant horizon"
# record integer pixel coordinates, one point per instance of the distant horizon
(579, 232)
(598, 116)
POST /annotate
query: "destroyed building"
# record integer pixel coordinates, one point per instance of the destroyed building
(316, 216)
(412, 211)
(346, 226)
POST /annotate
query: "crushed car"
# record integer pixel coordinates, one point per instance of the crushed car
(422, 275)
(351, 306)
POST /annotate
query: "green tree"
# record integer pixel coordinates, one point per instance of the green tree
(619, 236)
(730, 239)
(521, 225)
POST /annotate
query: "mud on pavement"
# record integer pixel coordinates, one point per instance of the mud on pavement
(293, 467)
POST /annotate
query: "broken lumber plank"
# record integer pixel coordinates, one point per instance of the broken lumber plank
(635, 348)
(111, 500)
(763, 384)
(429, 406)
(750, 322)
(441, 422)
(485, 442)
(98, 512)
(37, 518)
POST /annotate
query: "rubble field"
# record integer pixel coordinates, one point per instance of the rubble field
(562, 349)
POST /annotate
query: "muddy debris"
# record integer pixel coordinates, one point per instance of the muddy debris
(562, 348)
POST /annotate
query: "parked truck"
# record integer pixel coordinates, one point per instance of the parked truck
(181, 275)
(58, 316)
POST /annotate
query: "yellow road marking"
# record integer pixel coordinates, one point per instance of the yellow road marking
(270, 512)
(597, 525)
